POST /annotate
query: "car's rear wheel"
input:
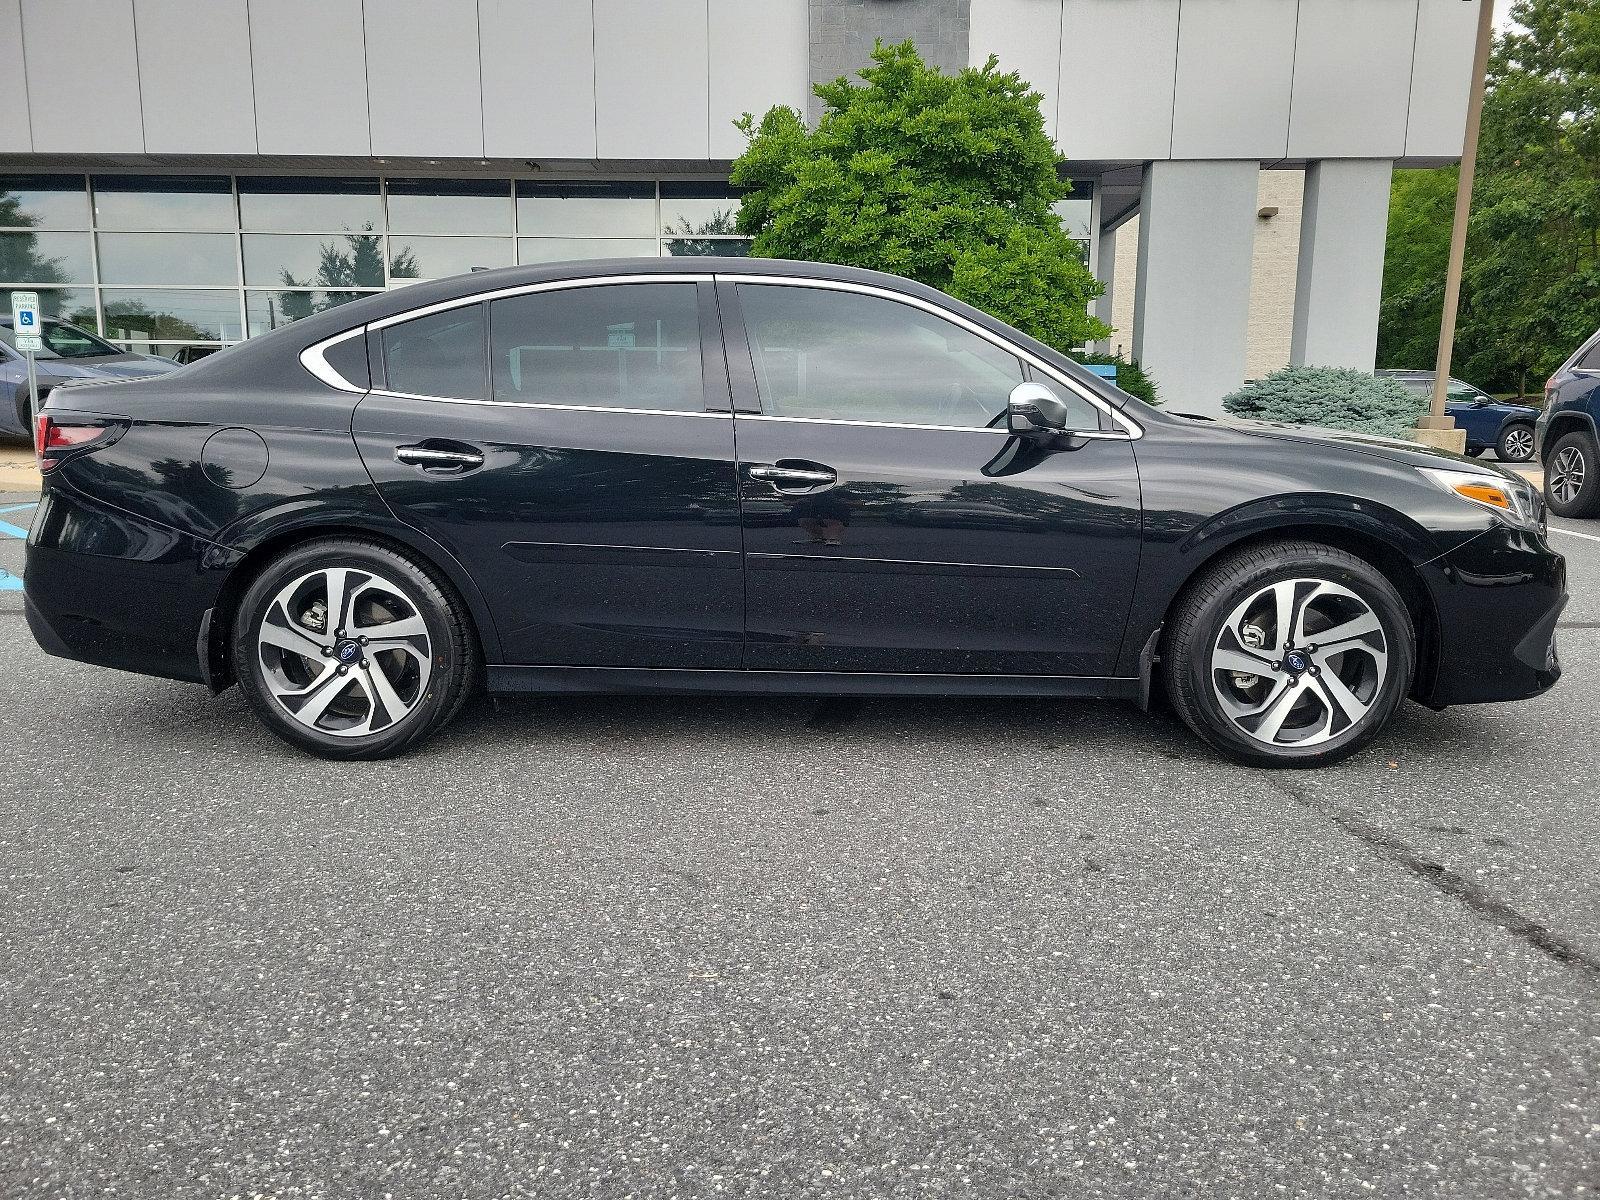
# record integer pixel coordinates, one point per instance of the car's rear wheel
(1572, 476)
(1289, 654)
(1515, 443)
(350, 650)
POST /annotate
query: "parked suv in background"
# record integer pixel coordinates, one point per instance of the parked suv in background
(70, 355)
(1491, 424)
(1565, 435)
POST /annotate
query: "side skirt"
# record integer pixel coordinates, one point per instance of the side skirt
(645, 680)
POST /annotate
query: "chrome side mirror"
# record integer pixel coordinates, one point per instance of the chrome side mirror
(1034, 409)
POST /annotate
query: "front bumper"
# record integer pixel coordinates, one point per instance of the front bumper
(109, 588)
(1497, 600)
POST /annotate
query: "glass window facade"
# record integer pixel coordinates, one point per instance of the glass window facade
(162, 262)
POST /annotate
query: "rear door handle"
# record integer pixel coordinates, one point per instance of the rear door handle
(436, 457)
(794, 477)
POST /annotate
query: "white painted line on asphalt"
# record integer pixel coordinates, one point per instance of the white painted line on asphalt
(1588, 537)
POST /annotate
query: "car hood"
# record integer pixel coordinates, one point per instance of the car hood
(123, 366)
(1396, 450)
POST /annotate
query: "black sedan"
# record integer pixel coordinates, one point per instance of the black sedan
(757, 476)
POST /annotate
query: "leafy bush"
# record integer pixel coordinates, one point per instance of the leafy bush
(947, 179)
(1333, 397)
(1130, 375)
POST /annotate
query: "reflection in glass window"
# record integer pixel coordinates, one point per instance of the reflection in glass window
(833, 355)
(698, 208)
(310, 205)
(150, 315)
(163, 202)
(335, 260)
(43, 202)
(551, 249)
(435, 257)
(440, 355)
(267, 311)
(68, 304)
(1077, 210)
(62, 341)
(703, 247)
(616, 346)
(450, 206)
(45, 258)
(162, 258)
(586, 209)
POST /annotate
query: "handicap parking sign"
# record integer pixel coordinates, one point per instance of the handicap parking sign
(26, 319)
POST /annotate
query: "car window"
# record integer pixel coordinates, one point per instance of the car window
(1456, 390)
(63, 341)
(832, 355)
(1414, 385)
(438, 355)
(1590, 360)
(624, 345)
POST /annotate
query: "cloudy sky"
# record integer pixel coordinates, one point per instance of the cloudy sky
(1502, 13)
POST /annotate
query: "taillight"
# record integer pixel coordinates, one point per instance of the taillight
(1549, 388)
(57, 438)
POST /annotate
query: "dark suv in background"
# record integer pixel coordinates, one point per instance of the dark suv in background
(1566, 438)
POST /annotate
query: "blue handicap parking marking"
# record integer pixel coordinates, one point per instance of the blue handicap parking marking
(16, 531)
(9, 582)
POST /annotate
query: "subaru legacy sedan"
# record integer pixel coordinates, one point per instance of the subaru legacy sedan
(757, 477)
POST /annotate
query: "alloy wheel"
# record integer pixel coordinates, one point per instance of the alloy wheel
(1519, 445)
(1299, 662)
(1566, 474)
(344, 652)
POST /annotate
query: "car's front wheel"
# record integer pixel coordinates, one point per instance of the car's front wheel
(1515, 443)
(1289, 654)
(350, 650)
(1571, 477)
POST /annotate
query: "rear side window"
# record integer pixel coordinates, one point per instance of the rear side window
(624, 345)
(438, 355)
(1590, 360)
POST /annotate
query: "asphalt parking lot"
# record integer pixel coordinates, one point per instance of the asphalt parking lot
(689, 947)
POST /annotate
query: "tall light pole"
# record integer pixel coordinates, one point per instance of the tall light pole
(1436, 427)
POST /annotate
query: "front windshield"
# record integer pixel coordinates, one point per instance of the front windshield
(62, 341)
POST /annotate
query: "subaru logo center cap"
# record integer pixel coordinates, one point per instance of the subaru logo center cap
(347, 652)
(1297, 661)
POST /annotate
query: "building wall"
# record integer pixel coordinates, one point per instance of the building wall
(1125, 80)
(1263, 79)
(1272, 276)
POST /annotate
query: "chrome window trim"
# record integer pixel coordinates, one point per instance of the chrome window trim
(539, 404)
(311, 358)
(1131, 427)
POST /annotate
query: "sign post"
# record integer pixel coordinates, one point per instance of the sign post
(26, 327)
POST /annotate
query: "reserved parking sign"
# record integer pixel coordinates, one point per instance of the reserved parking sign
(25, 321)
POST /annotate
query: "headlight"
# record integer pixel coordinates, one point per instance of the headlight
(1515, 500)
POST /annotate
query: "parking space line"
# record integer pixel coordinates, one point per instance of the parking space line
(1588, 537)
(19, 507)
(10, 530)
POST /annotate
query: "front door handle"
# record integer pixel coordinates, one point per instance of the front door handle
(437, 458)
(794, 477)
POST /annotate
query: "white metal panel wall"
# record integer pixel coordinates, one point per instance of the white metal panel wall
(1118, 62)
(423, 93)
(1025, 35)
(16, 134)
(538, 78)
(195, 77)
(83, 78)
(1352, 78)
(652, 98)
(1235, 65)
(310, 76)
(758, 58)
(1441, 76)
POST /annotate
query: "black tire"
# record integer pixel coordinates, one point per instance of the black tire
(1572, 476)
(1515, 443)
(1210, 600)
(452, 647)
(25, 409)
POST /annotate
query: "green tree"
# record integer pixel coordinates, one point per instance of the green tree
(947, 179)
(20, 261)
(1531, 284)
